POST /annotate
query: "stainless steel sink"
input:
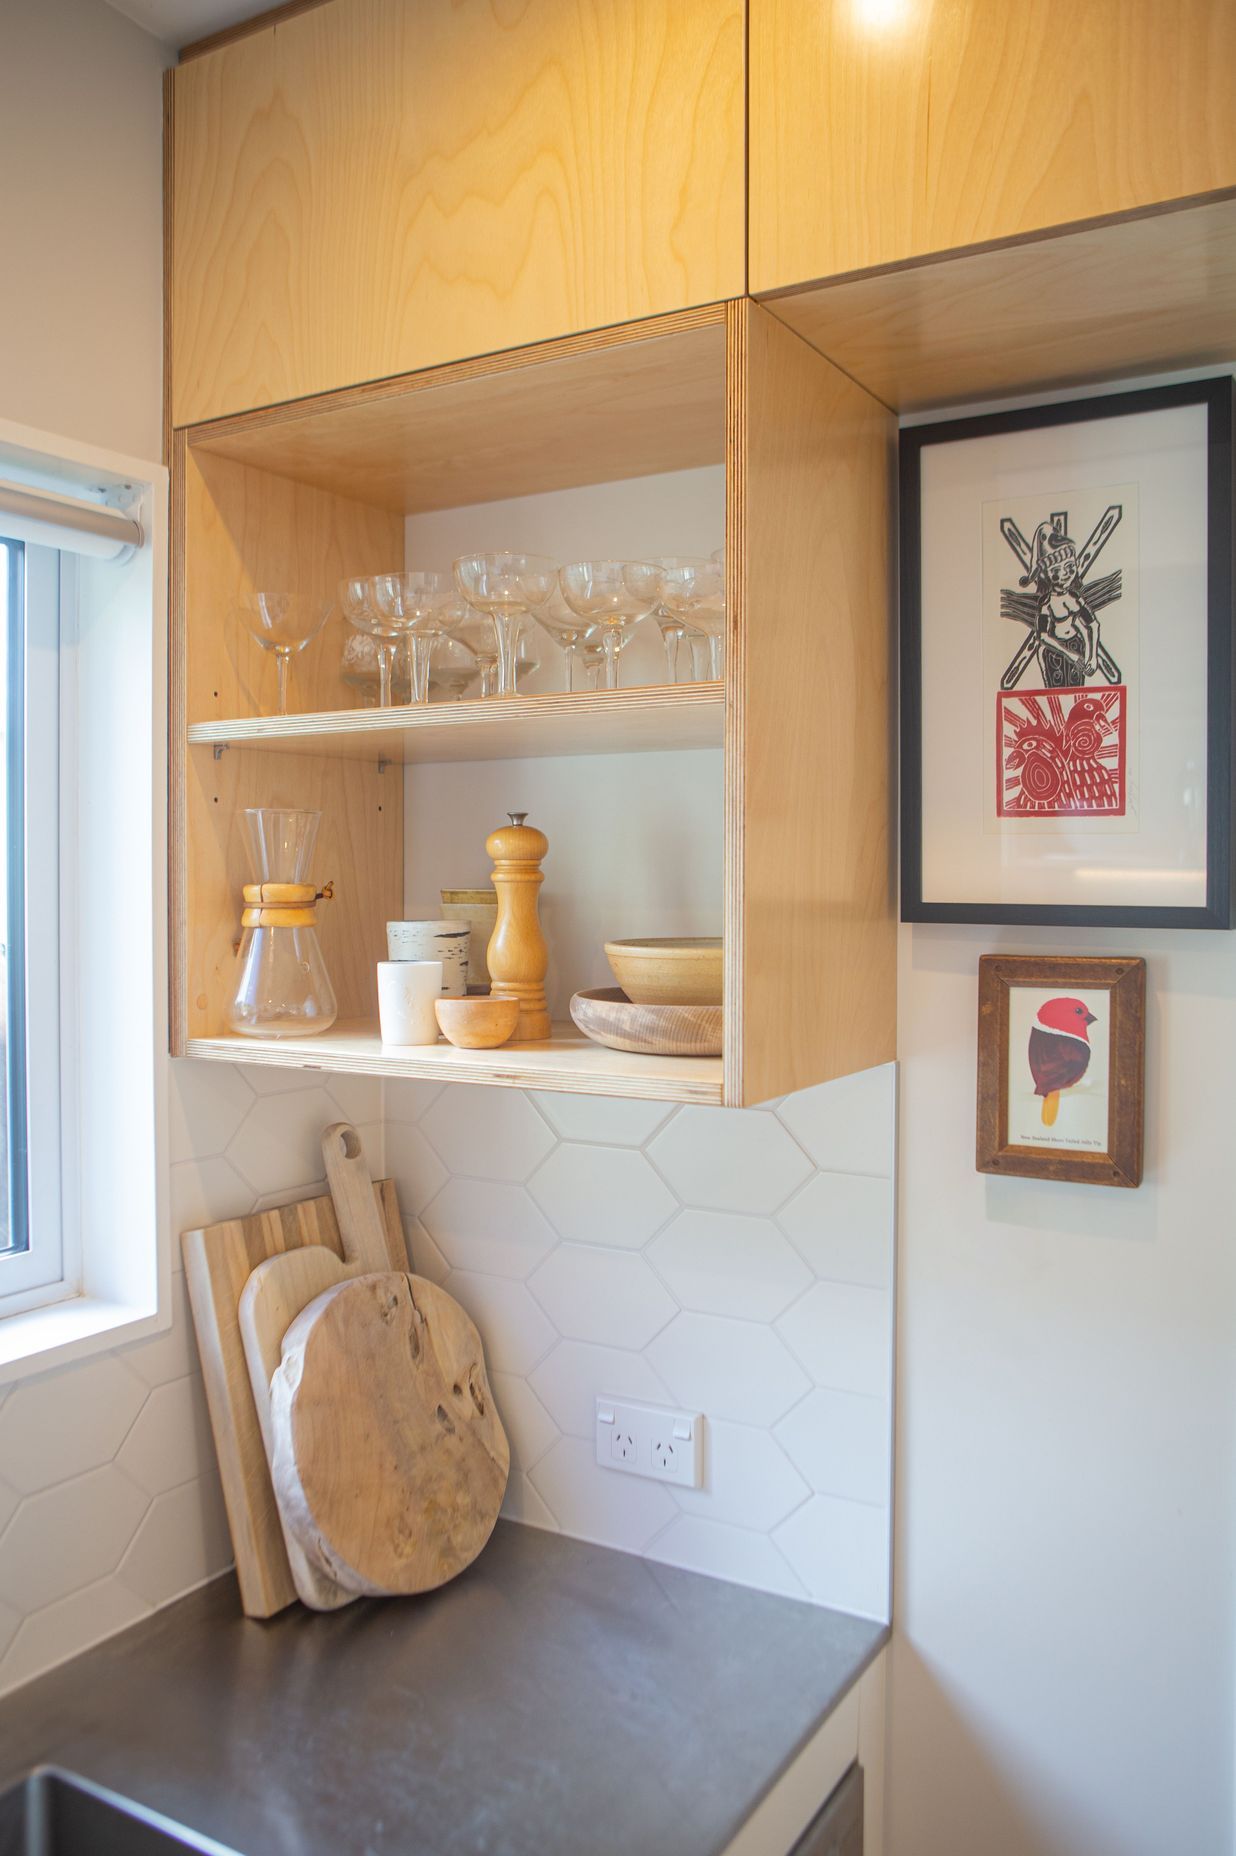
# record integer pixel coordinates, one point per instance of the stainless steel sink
(52, 1813)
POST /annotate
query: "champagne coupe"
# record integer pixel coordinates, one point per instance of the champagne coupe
(692, 588)
(283, 623)
(567, 630)
(452, 668)
(510, 588)
(361, 609)
(412, 602)
(614, 596)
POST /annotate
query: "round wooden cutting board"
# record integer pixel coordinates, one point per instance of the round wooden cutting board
(389, 1460)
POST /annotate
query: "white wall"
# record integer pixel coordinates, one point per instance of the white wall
(1066, 1507)
(109, 1499)
(81, 309)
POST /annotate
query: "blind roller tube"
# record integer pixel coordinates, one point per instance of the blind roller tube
(50, 521)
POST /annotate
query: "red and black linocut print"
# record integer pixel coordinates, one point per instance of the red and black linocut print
(1062, 706)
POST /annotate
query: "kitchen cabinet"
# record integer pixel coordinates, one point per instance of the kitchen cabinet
(884, 131)
(372, 187)
(838, 1830)
(795, 826)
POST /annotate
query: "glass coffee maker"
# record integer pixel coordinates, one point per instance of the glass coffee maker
(283, 989)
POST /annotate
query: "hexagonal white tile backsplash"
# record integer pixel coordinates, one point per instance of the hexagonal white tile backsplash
(736, 1263)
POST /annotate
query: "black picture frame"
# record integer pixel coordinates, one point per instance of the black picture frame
(1219, 911)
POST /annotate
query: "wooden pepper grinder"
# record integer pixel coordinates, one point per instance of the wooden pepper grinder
(518, 956)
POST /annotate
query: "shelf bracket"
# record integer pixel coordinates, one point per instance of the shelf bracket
(383, 764)
(220, 749)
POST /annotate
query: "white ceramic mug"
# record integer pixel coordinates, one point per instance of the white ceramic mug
(407, 993)
(440, 940)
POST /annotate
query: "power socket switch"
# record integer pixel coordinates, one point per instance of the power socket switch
(651, 1440)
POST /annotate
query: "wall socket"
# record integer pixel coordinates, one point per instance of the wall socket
(651, 1440)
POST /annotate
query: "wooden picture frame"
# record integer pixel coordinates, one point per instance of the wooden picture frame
(1088, 1128)
(1067, 667)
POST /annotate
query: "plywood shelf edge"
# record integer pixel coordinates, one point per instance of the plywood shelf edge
(602, 722)
(567, 1063)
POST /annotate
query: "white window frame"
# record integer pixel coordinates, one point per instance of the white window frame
(114, 1277)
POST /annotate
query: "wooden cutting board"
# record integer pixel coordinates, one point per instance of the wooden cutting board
(219, 1260)
(389, 1459)
(274, 1295)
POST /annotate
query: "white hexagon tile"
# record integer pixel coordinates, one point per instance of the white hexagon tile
(109, 1496)
(737, 1263)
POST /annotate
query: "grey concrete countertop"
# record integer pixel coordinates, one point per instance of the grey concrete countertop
(558, 1697)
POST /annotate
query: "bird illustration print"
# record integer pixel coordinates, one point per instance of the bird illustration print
(1059, 1051)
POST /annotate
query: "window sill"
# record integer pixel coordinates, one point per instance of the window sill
(60, 1332)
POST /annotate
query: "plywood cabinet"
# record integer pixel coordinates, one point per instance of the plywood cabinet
(376, 186)
(767, 816)
(886, 130)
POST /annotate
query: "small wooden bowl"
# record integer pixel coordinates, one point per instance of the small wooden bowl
(669, 972)
(477, 1024)
(607, 1016)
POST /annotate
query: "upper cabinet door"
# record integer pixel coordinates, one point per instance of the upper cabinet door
(882, 130)
(376, 186)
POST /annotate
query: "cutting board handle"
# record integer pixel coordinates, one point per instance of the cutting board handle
(360, 1227)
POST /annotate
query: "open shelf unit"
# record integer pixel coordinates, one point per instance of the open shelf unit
(796, 823)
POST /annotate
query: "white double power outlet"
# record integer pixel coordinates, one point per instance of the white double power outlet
(651, 1440)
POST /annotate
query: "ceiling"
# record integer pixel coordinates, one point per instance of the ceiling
(180, 22)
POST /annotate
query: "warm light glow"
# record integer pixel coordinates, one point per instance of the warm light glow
(880, 15)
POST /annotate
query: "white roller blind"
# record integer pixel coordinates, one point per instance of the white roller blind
(45, 519)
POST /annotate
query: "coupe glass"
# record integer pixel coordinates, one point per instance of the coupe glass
(283, 623)
(411, 602)
(361, 609)
(614, 596)
(693, 590)
(452, 668)
(568, 630)
(510, 588)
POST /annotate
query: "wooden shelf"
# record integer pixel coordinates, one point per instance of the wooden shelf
(1134, 296)
(566, 1062)
(688, 715)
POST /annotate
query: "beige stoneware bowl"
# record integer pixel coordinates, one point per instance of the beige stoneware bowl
(477, 1024)
(669, 972)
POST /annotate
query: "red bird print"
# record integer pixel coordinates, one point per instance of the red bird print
(1059, 1051)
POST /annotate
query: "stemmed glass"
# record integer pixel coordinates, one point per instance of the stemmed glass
(452, 668)
(413, 602)
(361, 609)
(567, 630)
(613, 595)
(692, 589)
(283, 623)
(510, 588)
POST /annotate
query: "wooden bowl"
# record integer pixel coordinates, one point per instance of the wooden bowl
(477, 1024)
(672, 972)
(607, 1016)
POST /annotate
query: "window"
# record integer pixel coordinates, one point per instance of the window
(36, 1251)
(85, 1252)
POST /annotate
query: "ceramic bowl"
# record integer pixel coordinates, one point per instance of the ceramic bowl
(670, 972)
(477, 1024)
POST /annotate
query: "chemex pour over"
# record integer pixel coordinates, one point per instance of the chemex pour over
(284, 990)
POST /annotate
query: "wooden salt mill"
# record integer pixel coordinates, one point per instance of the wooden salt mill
(518, 957)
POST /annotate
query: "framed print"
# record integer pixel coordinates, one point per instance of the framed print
(1061, 1059)
(1067, 665)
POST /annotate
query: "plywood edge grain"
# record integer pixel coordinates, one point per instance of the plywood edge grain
(813, 722)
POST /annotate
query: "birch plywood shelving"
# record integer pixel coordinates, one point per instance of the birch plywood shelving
(299, 495)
